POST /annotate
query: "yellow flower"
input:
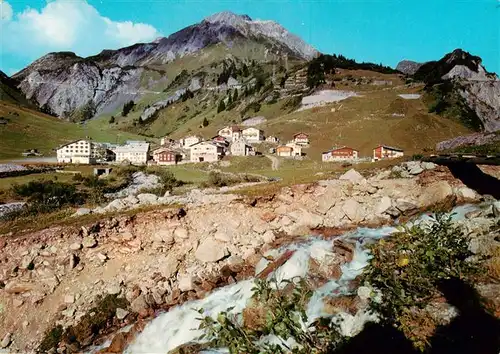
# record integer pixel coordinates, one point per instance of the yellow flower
(403, 261)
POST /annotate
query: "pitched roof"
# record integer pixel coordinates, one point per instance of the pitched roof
(72, 142)
(389, 148)
(135, 147)
(300, 134)
(335, 148)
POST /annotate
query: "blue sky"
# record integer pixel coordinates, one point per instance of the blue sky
(381, 31)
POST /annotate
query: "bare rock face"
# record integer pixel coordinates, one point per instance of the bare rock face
(64, 83)
(408, 67)
(476, 139)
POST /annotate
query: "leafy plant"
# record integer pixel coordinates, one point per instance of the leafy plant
(407, 267)
(278, 312)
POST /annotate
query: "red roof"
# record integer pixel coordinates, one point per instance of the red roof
(389, 148)
(301, 134)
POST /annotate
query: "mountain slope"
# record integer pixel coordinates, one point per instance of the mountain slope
(70, 86)
(458, 85)
(29, 129)
(10, 93)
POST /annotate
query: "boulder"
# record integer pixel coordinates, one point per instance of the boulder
(414, 168)
(353, 210)
(164, 235)
(186, 283)
(436, 193)
(89, 242)
(69, 299)
(305, 218)
(147, 198)
(353, 176)
(15, 287)
(269, 236)
(329, 198)
(467, 193)
(121, 313)
(210, 250)
(115, 205)
(75, 246)
(384, 204)
(405, 207)
(139, 304)
(428, 165)
(131, 200)
(6, 340)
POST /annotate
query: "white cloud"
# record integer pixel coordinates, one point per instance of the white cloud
(64, 25)
(5, 11)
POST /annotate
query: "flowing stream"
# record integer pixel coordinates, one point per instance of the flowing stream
(180, 325)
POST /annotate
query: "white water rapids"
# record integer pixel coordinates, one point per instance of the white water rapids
(180, 325)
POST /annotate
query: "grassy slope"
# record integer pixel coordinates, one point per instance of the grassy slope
(33, 129)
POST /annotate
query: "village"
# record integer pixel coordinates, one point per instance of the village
(230, 141)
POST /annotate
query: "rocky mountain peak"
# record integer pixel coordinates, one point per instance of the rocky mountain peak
(228, 18)
(408, 67)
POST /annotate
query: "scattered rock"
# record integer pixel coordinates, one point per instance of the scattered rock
(210, 250)
(17, 303)
(405, 207)
(467, 193)
(6, 340)
(73, 261)
(353, 176)
(269, 236)
(186, 283)
(147, 198)
(118, 343)
(114, 289)
(69, 299)
(121, 313)
(435, 193)
(75, 246)
(139, 304)
(102, 257)
(15, 287)
(353, 210)
(384, 204)
(89, 242)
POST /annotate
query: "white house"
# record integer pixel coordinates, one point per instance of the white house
(136, 153)
(272, 139)
(296, 149)
(231, 133)
(241, 148)
(301, 139)
(78, 152)
(343, 153)
(206, 151)
(386, 152)
(253, 135)
(190, 141)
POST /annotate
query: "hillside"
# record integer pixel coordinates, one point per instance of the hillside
(29, 129)
(10, 93)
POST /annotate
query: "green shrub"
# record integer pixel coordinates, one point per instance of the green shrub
(407, 267)
(46, 196)
(272, 312)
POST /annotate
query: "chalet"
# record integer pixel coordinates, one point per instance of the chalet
(386, 152)
(137, 153)
(301, 139)
(166, 156)
(78, 151)
(231, 133)
(241, 148)
(206, 151)
(296, 149)
(190, 141)
(284, 151)
(220, 140)
(272, 139)
(343, 153)
(253, 135)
